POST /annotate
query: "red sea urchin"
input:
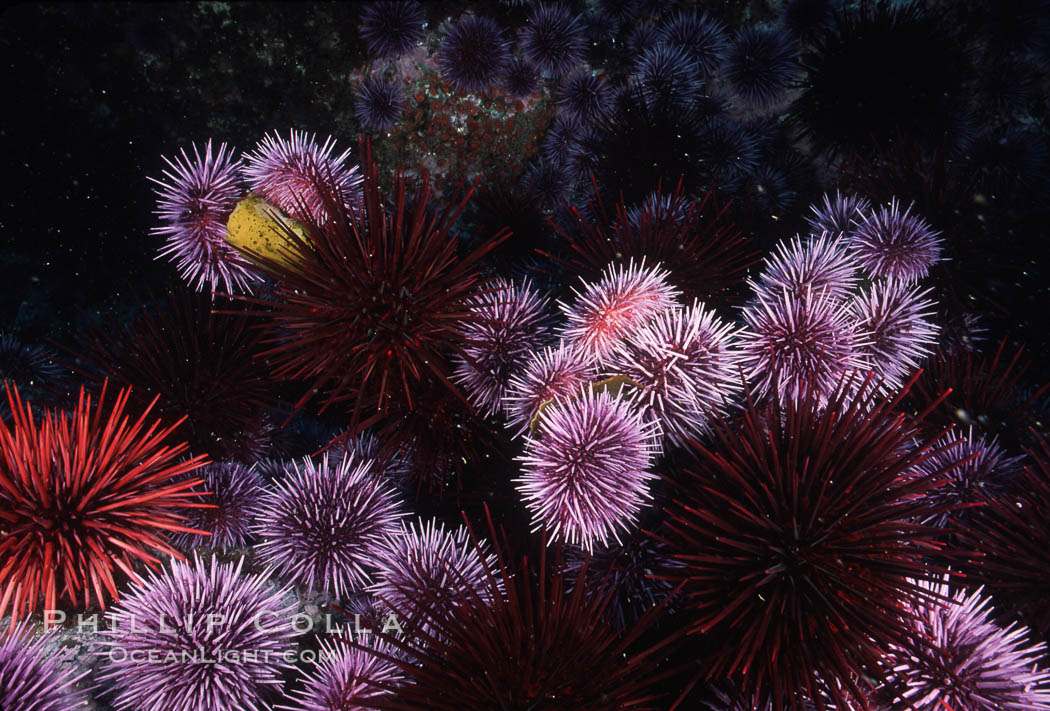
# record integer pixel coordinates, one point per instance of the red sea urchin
(216, 639)
(194, 202)
(800, 551)
(586, 469)
(85, 496)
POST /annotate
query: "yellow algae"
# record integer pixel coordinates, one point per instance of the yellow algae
(258, 228)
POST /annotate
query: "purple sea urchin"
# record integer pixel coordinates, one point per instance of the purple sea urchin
(797, 342)
(667, 76)
(889, 243)
(216, 639)
(554, 372)
(611, 308)
(682, 368)
(35, 677)
(346, 678)
(972, 663)
(506, 323)
(194, 200)
(838, 215)
(586, 468)
(520, 78)
(702, 36)
(820, 265)
(473, 54)
(760, 65)
(554, 39)
(583, 95)
(287, 173)
(323, 526)
(391, 27)
(235, 493)
(378, 104)
(901, 333)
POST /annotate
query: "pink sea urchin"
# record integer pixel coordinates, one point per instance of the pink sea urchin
(896, 245)
(35, 677)
(819, 264)
(898, 319)
(586, 469)
(235, 493)
(288, 172)
(552, 373)
(345, 676)
(194, 201)
(838, 215)
(506, 323)
(611, 308)
(684, 365)
(324, 524)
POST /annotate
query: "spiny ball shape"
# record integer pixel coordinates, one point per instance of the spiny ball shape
(667, 76)
(611, 308)
(973, 663)
(27, 365)
(586, 468)
(898, 319)
(378, 104)
(235, 493)
(428, 561)
(194, 200)
(808, 550)
(682, 369)
(324, 525)
(473, 55)
(838, 215)
(760, 65)
(345, 678)
(391, 27)
(982, 471)
(286, 173)
(554, 38)
(583, 96)
(196, 611)
(792, 342)
(84, 497)
(507, 323)
(553, 372)
(520, 78)
(35, 677)
(702, 36)
(896, 245)
(821, 265)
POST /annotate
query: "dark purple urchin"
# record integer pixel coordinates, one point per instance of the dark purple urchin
(703, 37)
(799, 343)
(800, 554)
(553, 39)
(392, 27)
(973, 663)
(323, 526)
(682, 369)
(583, 95)
(235, 492)
(820, 265)
(345, 677)
(520, 79)
(807, 20)
(760, 65)
(194, 200)
(667, 76)
(520, 639)
(896, 245)
(549, 181)
(729, 153)
(838, 215)
(586, 468)
(473, 54)
(378, 104)
(506, 324)
(562, 139)
(287, 174)
(216, 639)
(35, 676)
(28, 366)
(898, 319)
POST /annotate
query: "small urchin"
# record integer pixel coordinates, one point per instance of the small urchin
(35, 676)
(818, 264)
(838, 215)
(583, 95)
(760, 65)
(553, 372)
(507, 323)
(682, 369)
(234, 493)
(392, 27)
(608, 310)
(896, 245)
(323, 525)
(216, 638)
(702, 36)
(898, 319)
(346, 677)
(586, 469)
(287, 174)
(553, 39)
(667, 76)
(473, 54)
(195, 198)
(972, 663)
(378, 104)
